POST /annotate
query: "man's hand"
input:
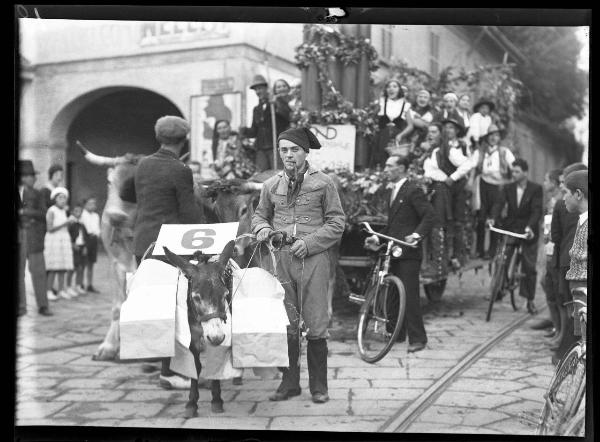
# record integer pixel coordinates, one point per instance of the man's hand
(299, 248)
(489, 222)
(449, 181)
(528, 232)
(263, 235)
(371, 242)
(412, 238)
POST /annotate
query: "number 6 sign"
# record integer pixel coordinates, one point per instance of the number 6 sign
(185, 239)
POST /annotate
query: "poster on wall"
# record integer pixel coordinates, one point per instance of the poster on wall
(206, 110)
(338, 145)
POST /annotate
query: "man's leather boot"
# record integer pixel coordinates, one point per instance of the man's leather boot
(317, 369)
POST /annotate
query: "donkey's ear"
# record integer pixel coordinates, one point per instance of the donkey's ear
(226, 253)
(179, 262)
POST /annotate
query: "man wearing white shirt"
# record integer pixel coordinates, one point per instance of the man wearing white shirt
(493, 162)
(480, 120)
(91, 221)
(453, 160)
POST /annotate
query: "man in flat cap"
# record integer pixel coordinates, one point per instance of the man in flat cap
(164, 192)
(304, 203)
(32, 229)
(262, 128)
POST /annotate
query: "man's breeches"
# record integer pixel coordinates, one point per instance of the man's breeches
(305, 283)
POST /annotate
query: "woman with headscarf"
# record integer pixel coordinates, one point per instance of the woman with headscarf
(420, 116)
(449, 108)
(231, 160)
(392, 121)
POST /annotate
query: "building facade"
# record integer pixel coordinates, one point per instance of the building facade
(104, 83)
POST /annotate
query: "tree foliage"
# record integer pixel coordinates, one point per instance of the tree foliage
(555, 87)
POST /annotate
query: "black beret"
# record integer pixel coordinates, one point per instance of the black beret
(302, 136)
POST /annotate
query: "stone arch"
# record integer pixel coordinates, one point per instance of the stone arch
(109, 121)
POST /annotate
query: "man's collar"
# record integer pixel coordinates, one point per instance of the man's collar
(398, 184)
(168, 152)
(524, 185)
(583, 217)
(492, 149)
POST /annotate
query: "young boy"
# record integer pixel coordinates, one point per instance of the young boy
(576, 201)
(78, 241)
(91, 222)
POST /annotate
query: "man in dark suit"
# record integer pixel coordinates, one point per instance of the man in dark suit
(164, 192)
(410, 218)
(32, 229)
(524, 199)
(262, 127)
(164, 187)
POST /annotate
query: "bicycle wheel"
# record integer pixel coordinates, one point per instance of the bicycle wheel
(513, 277)
(497, 282)
(565, 392)
(383, 310)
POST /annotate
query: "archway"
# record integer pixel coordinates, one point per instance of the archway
(109, 122)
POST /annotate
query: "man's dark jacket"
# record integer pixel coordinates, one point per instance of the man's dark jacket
(261, 123)
(33, 219)
(410, 212)
(164, 192)
(528, 213)
(562, 233)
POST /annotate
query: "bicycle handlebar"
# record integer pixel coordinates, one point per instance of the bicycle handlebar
(368, 229)
(508, 233)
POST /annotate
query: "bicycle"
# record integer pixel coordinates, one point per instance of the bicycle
(505, 269)
(562, 413)
(383, 301)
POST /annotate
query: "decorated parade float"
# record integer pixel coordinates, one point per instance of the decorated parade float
(339, 103)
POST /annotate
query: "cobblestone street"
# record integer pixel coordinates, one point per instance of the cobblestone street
(59, 384)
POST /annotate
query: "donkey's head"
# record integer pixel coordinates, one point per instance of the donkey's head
(207, 291)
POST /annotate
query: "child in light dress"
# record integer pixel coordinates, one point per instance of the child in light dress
(58, 253)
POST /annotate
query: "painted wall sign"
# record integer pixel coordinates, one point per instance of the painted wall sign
(167, 32)
(217, 86)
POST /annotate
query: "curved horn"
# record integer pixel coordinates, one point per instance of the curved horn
(250, 186)
(96, 159)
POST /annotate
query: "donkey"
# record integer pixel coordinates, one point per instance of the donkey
(208, 289)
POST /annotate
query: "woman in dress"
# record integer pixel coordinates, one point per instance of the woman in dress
(58, 253)
(231, 160)
(392, 121)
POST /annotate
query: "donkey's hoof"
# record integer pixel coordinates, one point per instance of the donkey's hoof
(190, 412)
(217, 407)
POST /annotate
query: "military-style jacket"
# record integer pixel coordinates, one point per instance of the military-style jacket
(316, 215)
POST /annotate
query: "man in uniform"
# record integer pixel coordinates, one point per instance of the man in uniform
(164, 191)
(304, 203)
(262, 127)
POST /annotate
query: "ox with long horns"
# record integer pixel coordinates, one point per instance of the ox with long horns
(118, 218)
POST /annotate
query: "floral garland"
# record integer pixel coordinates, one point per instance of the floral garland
(362, 194)
(329, 44)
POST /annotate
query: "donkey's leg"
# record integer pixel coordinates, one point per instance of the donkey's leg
(216, 404)
(191, 408)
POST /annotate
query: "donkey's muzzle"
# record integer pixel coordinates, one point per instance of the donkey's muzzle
(213, 331)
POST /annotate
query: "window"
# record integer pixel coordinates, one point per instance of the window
(434, 54)
(386, 41)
